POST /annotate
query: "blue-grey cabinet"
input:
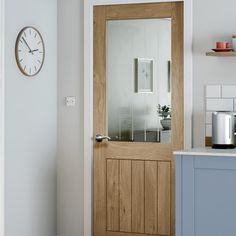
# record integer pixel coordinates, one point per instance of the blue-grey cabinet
(205, 195)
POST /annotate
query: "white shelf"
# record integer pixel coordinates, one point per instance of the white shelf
(221, 54)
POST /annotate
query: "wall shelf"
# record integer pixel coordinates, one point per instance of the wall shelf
(221, 54)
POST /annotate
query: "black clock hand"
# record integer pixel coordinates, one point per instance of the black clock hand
(35, 50)
(30, 51)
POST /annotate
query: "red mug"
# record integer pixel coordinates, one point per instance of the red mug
(222, 45)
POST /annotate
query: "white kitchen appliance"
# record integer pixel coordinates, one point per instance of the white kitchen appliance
(223, 129)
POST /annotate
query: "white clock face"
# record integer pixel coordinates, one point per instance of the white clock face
(30, 51)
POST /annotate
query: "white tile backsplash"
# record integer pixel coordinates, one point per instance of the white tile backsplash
(208, 130)
(228, 91)
(213, 91)
(208, 117)
(219, 97)
(219, 104)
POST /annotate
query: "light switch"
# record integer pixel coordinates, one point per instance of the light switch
(70, 101)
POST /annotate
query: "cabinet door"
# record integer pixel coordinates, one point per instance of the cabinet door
(208, 196)
(184, 196)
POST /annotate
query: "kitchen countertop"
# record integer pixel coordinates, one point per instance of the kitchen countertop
(207, 151)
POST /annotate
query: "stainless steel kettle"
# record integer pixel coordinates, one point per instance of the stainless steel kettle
(223, 129)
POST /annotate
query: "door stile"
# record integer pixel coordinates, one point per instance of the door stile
(99, 119)
(177, 94)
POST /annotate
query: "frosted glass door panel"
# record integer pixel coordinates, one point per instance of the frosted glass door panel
(139, 79)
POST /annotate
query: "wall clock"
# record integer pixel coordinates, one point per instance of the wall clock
(29, 51)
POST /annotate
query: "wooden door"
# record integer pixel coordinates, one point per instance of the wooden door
(134, 182)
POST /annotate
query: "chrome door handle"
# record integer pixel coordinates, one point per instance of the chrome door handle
(100, 137)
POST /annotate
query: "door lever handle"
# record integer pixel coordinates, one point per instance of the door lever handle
(100, 137)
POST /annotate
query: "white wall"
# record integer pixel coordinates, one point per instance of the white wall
(2, 116)
(209, 28)
(31, 125)
(70, 126)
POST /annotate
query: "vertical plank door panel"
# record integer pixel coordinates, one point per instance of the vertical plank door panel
(138, 196)
(125, 195)
(113, 195)
(151, 186)
(164, 198)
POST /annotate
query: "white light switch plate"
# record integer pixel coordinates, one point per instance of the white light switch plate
(70, 101)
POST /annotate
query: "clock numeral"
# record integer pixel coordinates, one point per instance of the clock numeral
(40, 52)
(30, 31)
(21, 60)
(35, 35)
(19, 50)
(39, 42)
(25, 68)
(30, 70)
(39, 62)
(35, 68)
(24, 34)
(21, 41)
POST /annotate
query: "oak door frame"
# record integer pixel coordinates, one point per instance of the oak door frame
(88, 91)
(2, 117)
